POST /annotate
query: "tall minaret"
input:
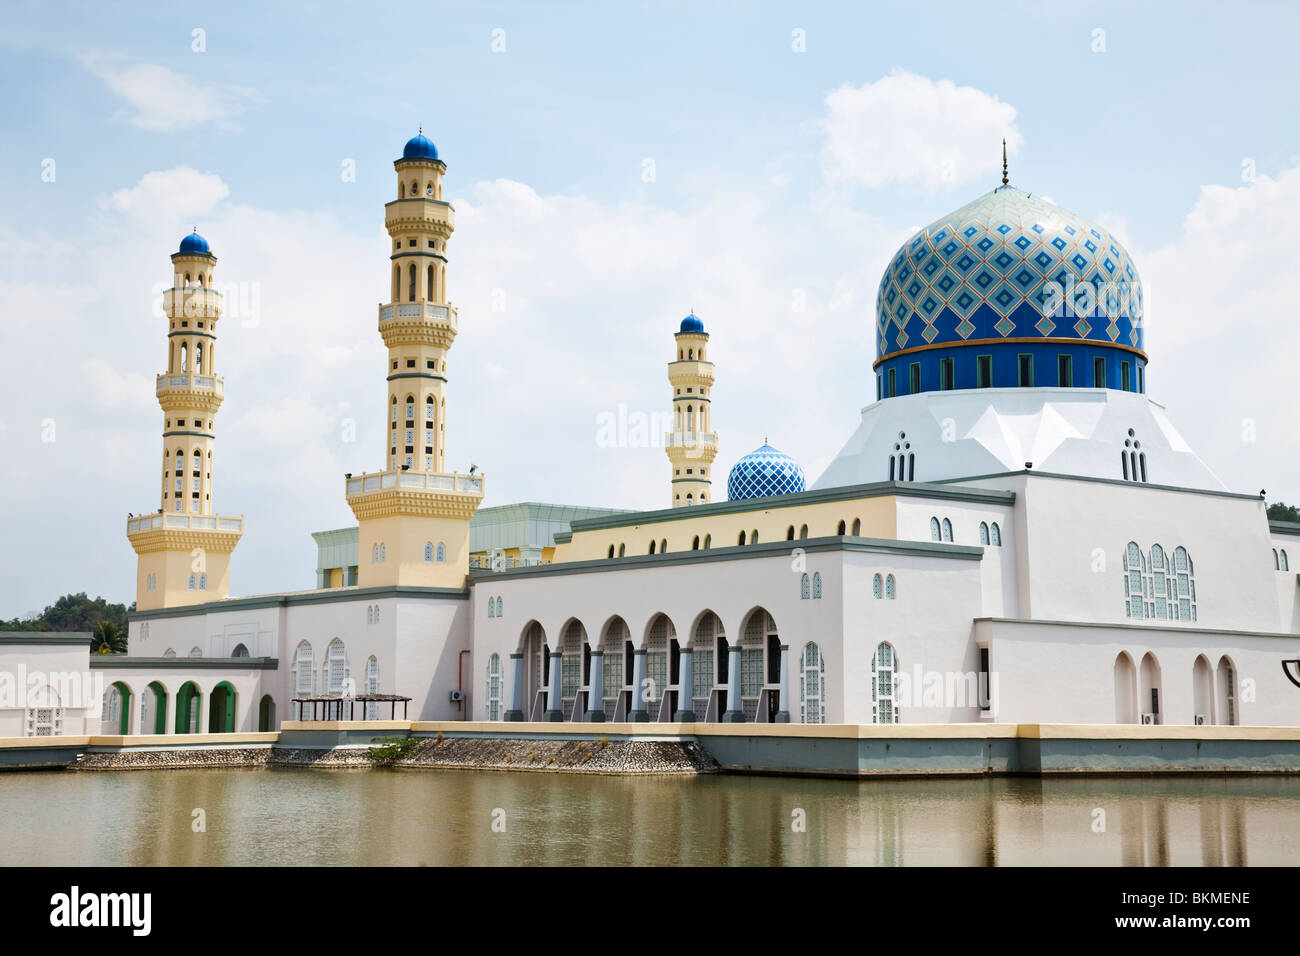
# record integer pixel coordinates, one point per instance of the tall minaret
(184, 548)
(693, 444)
(413, 515)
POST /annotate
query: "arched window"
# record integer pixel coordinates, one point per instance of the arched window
(753, 536)
(889, 587)
(653, 544)
(440, 553)
(1285, 565)
(857, 527)
(812, 686)
(193, 583)
(708, 541)
(374, 554)
(741, 539)
(499, 602)
(804, 589)
(397, 275)
(169, 653)
(1135, 603)
(428, 289)
(789, 533)
(840, 528)
(494, 687)
(336, 668)
(1276, 565)
(947, 530)
(203, 582)
(663, 545)
(372, 686)
(803, 532)
(410, 292)
(611, 550)
(239, 651)
(376, 613)
(884, 685)
(382, 554)
(934, 529)
(370, 614)
(984, 532)
(877, 586)
(995, 535)
(817, 585)
(695, 543)
(428, 552)
(304, 675)
(196, 651)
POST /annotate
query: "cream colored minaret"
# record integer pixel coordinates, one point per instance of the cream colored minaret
(184, 548)
(692, 444)
(413, 515)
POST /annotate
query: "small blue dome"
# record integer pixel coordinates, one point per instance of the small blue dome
(764, 471)
(692, 323)
(419, 147)
(194, 243)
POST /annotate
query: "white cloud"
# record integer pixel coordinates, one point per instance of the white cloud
(163, 100)
(911, 129)
(168, 194)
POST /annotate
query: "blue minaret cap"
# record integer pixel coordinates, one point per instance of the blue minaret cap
(692, 323)
(419, 146)
(194, 243)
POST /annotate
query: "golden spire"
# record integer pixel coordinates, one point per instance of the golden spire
(1004, 161)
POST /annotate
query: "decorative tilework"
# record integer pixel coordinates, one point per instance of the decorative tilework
(764, 471)
(989, 265)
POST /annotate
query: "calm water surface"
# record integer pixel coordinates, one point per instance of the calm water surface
(312, 818)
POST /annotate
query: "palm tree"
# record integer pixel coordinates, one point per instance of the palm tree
(108, 638)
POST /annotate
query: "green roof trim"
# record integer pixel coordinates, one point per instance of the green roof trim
(1284, 527)
(924, 549)
(126, 661)
(325, 596)
(877, 489)
(53, 638)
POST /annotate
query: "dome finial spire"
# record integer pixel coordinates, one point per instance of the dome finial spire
(1004, 161)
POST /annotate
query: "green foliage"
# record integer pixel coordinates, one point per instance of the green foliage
(391, 749)
(1281, 511)
(108, 638)
(77, 612)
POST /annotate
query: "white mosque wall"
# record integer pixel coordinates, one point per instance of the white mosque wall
(1066, 673)
(965, 433)
(47, 671)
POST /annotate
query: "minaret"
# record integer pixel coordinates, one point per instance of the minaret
(693, 444)
(184, 548)
(413, 515)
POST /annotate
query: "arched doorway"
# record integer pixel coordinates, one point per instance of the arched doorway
(658, 637)
(188, 704)
(153, 709)
(117, 709)
(1149, 689)
(812, 686)
(266, 714)
(221, 709)
(572, 670)
(1202, 691)
(537, 668)
(708, 668)
(760, 667)
(1226, 712)
(616, 669)
(1125, 689)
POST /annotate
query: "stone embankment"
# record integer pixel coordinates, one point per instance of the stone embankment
(435, 753)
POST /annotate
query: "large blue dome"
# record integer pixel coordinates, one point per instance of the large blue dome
(419, 147)
(1008, 275)
(692, 323)
(764, 471)
(195, 244)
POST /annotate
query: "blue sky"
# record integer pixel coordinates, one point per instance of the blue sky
(547, 144)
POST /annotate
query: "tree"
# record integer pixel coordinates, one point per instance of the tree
(1281, 511)
(77, 612)
(108, 638)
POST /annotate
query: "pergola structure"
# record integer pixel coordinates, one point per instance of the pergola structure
(333, 708)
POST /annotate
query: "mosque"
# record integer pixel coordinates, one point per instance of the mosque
(1015, 532)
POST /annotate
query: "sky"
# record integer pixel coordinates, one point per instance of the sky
(612, 167)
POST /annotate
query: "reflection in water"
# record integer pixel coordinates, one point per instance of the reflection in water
(298, 817)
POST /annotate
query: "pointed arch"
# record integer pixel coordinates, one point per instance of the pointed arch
(812, 685)
(884, 684)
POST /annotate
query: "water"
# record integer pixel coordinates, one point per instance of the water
(313, 818)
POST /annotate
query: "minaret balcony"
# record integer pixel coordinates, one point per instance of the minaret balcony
(211, 384)
(418, 311)
(382, 493)
(185, 522)
(692, 440)
(192, 302)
